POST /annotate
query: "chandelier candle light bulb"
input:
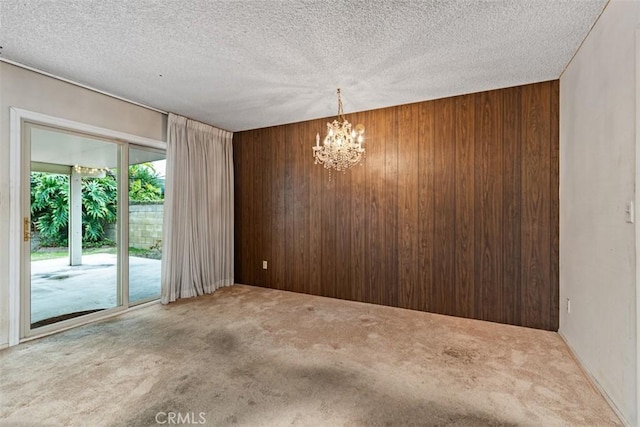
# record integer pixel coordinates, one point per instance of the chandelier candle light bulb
(342, 147)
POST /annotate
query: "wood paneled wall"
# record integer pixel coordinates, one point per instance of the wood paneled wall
(454, 211)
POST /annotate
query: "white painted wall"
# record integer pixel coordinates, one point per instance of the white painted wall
(597, 175)
(35, 92)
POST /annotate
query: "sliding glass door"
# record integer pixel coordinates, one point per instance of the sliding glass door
(73, 208)
(89, 254)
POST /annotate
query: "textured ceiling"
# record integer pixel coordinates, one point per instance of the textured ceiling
(248, 64)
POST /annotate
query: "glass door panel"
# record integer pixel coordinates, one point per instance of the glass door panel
(146, 204)
(74, 212)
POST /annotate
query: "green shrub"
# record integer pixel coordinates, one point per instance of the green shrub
(144, 184)
(50, 207)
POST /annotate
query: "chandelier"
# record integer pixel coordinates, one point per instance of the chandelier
(342, 147)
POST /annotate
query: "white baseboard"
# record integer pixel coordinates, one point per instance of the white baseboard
(594, 383)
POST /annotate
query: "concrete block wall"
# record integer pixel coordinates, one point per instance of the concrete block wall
(145, 224)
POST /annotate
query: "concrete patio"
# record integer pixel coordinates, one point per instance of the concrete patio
(58, 288)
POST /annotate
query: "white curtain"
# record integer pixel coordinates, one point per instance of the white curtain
(198, 210)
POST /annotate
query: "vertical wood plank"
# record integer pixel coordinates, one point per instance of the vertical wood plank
(512, 142)
(239, 208)
(342, 226)
(329, 234)
(250, 267)
(302, 163)
(317, 176)
(374, 262)
(443, 286)
(408, 205)
(267, 204)
(389, 284)
(349, 265)
(261, 229)
(277, 262)
(464, 206)
(250, 209)
(536, 229)
(243, 212)
(489, 279)
(359, 213)
(426, 207)
(290, 135)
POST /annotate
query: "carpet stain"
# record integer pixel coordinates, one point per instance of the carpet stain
(477, 420)
(222, 342)
(462, 355)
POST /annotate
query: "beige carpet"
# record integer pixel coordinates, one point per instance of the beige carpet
(259, 357)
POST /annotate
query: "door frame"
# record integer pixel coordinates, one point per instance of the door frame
(17, 167)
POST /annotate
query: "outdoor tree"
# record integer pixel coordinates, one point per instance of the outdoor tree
(144, 183)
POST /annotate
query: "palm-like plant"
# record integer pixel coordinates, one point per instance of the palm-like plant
(50, 206)
(99, 205)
